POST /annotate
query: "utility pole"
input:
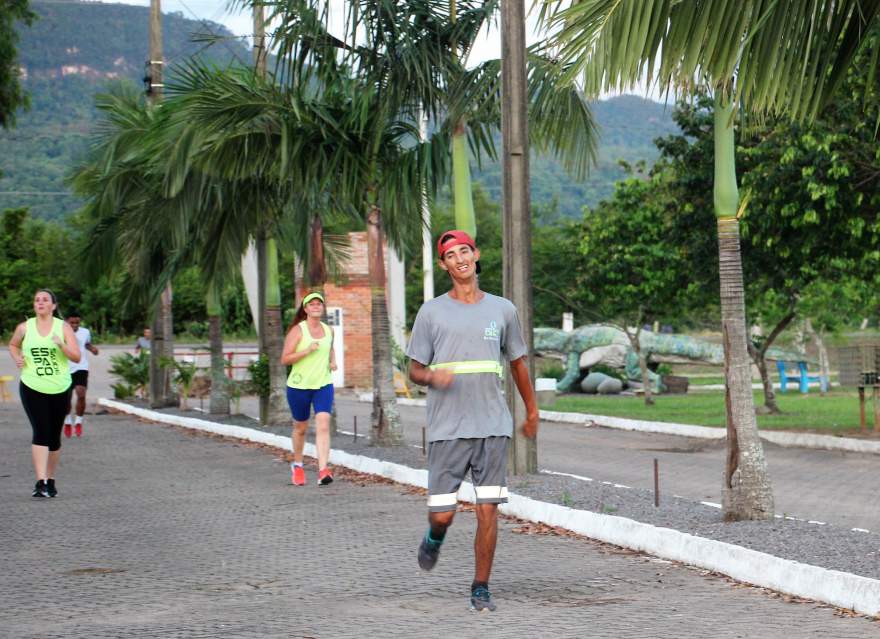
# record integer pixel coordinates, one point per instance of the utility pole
(162, 341)
(517, 244)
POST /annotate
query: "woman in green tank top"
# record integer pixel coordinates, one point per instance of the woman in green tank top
(42, 346)
(308, 350)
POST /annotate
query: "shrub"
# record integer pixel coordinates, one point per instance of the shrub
(552, 369)
(197, 329)
(133, 370)
(259, 370)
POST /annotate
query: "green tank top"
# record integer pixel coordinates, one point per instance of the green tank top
(46, 368)
(313, 370)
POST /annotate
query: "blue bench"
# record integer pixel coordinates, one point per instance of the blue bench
(802, 377)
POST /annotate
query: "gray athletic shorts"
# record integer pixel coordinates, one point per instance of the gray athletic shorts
(448, 463)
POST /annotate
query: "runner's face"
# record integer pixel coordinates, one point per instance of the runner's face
(148, 333)
(460, 261)
(315, 308)
(74, 323)
(43, 303)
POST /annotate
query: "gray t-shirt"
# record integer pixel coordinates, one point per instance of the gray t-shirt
(474, 336)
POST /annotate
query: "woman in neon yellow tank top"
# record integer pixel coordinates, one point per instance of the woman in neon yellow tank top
(41, 348)
(308, 350)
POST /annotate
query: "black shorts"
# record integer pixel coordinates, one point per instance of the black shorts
(80, 378)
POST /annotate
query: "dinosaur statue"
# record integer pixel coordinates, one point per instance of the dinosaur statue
(594, 344)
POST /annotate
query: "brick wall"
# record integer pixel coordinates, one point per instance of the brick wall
(351, 292)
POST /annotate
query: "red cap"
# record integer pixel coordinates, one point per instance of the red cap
(453, 238)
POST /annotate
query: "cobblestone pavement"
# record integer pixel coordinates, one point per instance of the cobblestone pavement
(158, 532)
(830, 486)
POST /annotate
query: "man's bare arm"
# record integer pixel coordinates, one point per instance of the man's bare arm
(424, 376)
(519, 369)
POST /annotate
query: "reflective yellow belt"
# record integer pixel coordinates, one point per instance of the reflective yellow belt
(476, 366)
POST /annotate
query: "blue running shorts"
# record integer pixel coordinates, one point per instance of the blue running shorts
(301, 401)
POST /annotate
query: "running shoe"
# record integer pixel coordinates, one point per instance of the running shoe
(78, 429)
(298, 476)
(40, 490)
(429, 552)
(325, 477)
(67, 431)
(481, 600)
(50, 488)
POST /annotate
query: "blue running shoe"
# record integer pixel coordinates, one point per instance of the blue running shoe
(481, 600)
(429, 551)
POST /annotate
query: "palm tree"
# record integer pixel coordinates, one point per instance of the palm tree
(135, 225)
(768, 57)
(409, 53)
(121, 184)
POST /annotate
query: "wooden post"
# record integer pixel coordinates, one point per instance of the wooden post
(875, 400)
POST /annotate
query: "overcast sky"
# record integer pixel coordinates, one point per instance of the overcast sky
(487, 47)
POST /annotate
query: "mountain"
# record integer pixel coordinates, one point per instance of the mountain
(628, 126)
(73, 51)
(78, 49)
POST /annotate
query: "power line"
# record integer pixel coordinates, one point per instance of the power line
(36, 193)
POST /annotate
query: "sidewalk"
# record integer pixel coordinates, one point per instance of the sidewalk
(162, 533)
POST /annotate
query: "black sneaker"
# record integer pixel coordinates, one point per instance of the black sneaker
(481, 600)
(50, 488)
(428, 553)
(40, 489)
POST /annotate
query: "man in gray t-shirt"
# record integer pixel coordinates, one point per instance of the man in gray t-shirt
(458, 344)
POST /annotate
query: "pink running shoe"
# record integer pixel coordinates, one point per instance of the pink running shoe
(298, 476)
(78, 429)
(325, 477)
(67, 430)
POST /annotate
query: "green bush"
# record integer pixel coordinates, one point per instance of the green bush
(132, 370)
(664, 369)
(259, 370)
(607, 370)
(552, 369)
(122, 391)
(197, 329)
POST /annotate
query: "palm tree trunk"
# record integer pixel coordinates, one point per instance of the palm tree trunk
(463, 200)
(278, 412)
(162, 345)
(170, 397)
(316, 277)
(746, 493)
(386, 429)
(219, 401)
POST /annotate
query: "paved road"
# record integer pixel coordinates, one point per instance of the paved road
(161, 533)
(827, 486)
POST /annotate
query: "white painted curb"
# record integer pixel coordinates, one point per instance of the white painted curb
(779, 437)
(842, 589)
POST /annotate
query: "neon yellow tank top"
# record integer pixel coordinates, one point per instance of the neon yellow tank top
(46, 368)
(313, 370)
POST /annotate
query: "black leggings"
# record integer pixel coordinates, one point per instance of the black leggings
(46, 412)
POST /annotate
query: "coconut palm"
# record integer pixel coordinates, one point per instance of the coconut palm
(766, 56)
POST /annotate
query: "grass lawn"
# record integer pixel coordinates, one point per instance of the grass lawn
(836, 413)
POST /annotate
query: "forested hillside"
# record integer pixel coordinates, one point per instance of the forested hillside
(77, 50)
(72, 52)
